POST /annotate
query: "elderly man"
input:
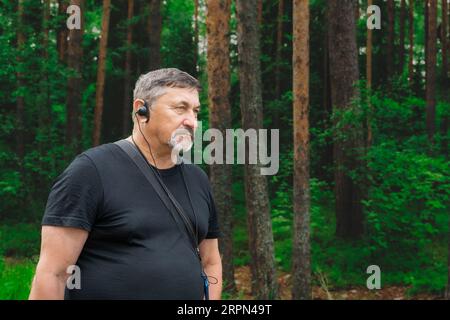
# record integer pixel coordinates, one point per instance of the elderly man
(104, 215)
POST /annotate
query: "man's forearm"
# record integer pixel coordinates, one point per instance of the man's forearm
(47, 286)
(214, 272)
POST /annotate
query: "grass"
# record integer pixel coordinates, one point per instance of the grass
(15, 278)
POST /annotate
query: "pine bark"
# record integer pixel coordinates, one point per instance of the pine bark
(264, 281)
(301, 256)
(218, 67)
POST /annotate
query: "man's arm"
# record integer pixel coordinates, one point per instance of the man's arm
(212, 263)
(60, 248)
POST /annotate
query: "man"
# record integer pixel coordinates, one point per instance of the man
(105, 218)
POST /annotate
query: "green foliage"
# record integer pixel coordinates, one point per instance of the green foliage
(20, 240)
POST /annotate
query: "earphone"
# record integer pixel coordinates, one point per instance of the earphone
(143, 111)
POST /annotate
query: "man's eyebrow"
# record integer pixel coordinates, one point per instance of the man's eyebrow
(186, 103)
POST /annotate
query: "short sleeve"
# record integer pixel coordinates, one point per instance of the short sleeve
(75, 196)
(213, 223)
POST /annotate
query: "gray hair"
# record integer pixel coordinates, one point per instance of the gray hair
(152, 85)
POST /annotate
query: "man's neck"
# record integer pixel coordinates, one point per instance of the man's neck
(163, 158)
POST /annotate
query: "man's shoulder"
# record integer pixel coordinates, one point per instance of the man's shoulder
(101, 152)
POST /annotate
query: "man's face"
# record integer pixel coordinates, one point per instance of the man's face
(173, 118)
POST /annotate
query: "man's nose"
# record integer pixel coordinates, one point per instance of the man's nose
(191, 121)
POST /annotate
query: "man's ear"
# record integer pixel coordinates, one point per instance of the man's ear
(137, 104)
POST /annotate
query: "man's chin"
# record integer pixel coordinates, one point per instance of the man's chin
(177, 149)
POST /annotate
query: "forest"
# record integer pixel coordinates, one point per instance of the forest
(358, 89)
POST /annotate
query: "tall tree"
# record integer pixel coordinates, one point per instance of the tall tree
(44, 115)
(369, 77)
(279, 45)
(74, 83)
(264, 282)
(218, 65)
(127, 91)
(20, 99)
(427, 14)
(401, 51)
(411, 42)
(301, 265)
(390, 40)
(100, 86)
(444, 38)
(196, 34)
(446, 78)
(431, 69)
(344, 75)
(61, 41)
(154, 28)
(260, 12)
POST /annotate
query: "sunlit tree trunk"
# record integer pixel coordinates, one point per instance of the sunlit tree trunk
(218, 65)
(301, 256)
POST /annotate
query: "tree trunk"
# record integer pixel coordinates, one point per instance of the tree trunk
(426, 33)
(154, 28)
(44, 115)
(260, 12)
(264, 280)
(401, 50)
(62, 30)
(74, 85)
(431, 69)
(20, 99)
(100, 86)
(276, 119)
(301, 257)
(344, 76)
(445, 120)
(369, 80)
(127, 103)
(218, 65)
(446, 78)
(390, 42)
(411, 43)
(444, 37)
(196, 35)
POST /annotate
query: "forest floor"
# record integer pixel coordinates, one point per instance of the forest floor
(242, 276)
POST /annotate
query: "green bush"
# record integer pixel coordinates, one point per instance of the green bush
(20, 240)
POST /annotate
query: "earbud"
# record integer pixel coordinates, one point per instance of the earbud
(143, 111)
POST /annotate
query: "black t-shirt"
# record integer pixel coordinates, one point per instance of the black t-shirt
(135, 250)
